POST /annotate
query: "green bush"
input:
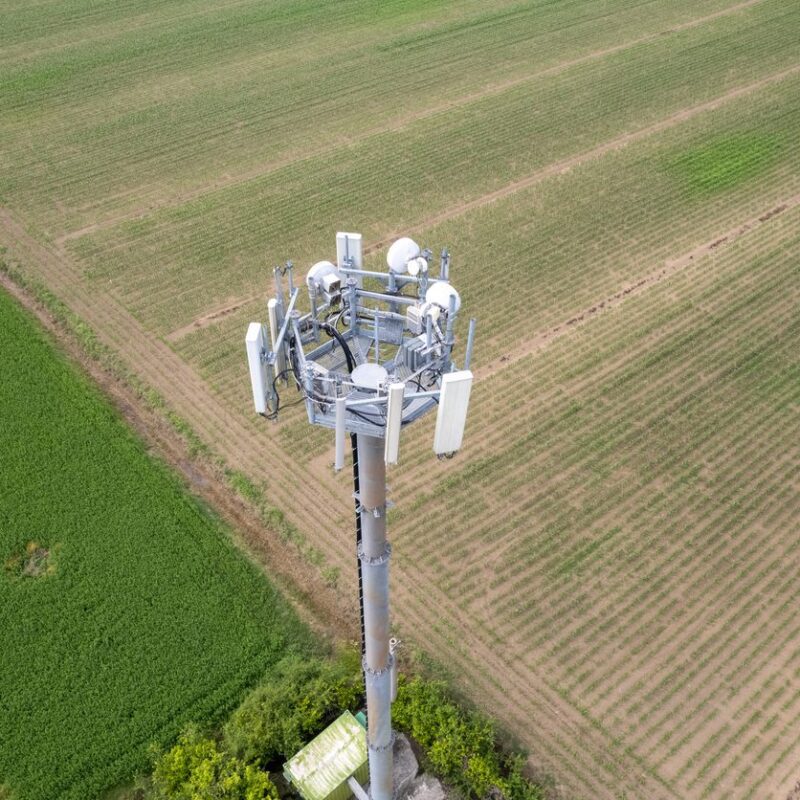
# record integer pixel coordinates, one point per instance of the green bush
(461, 746)
(195, 769)
(300, 700)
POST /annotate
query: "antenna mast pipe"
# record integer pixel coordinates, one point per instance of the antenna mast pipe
(374, 556)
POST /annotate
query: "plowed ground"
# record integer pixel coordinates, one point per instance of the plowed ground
(608, 565)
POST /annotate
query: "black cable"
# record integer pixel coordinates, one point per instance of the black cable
(356, 489)
(370, 418)
(334, 334)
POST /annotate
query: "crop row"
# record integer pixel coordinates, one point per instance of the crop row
(668, 549)
(169, 266)
(539, 429)
(533, 384)
(193, 96)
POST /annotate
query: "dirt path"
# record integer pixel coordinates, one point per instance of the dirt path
(210, 317)
(559, 167)
(394, 125)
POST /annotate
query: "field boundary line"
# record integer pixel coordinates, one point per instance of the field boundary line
(150, 358)
(393, 126)
(566, 164)
(669, 268)
(304, 591)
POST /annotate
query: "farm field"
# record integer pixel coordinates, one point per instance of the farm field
(619, 184)
(126, 611)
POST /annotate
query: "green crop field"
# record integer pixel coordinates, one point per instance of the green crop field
(126, 611)
(618, 181)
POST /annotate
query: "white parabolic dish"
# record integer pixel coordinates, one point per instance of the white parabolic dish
(369, 376)
(400, 253)
(439, 294)
(318, 272)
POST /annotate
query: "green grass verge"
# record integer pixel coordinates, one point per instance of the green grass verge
(126, 609)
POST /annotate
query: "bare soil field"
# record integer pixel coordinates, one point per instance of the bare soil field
(620, 527)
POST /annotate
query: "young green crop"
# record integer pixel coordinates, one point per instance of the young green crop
(125, 611)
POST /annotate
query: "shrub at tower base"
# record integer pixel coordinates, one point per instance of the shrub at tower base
(303, 697)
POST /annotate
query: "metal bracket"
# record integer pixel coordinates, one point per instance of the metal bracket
(377, 512)
(375, 561)
(382, 747)
(360, 507)
(373, 673)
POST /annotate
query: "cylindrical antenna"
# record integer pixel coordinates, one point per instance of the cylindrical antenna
(289, 268)
(279, 291)
(470, 340)
(451, 319)
(340, 431)
(428, 331)
(352, 285)
(312, 295)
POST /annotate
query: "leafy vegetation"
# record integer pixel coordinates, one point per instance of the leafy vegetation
(125, 611)
(461, 746)
(196, 769)
(300, 698)
(298, 701)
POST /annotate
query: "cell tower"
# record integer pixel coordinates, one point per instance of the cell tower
(373, 354)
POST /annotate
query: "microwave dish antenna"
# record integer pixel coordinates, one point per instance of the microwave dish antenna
(368, 362)
(400, 253)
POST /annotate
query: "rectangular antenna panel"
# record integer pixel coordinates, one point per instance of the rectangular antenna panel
(394, 418)
(338, 462)
(255, 341)
(452, 415)
(349, 244)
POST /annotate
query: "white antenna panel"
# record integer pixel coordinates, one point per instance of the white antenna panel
(349, 245)
(255, 341)
(452, 414)
(394, 418)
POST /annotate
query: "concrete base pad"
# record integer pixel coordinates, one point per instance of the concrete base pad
(406, 766)
(424, 787)
(408, 783)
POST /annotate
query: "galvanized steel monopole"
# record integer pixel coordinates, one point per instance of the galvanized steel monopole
(373, 354)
